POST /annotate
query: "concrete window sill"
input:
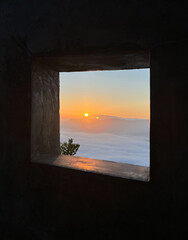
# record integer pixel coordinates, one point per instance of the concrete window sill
(122, 170)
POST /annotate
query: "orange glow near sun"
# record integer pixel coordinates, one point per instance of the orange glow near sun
(91, 95)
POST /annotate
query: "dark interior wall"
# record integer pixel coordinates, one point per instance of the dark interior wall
(15, 132)
(58, 27)
(169, 123)
(42, 202)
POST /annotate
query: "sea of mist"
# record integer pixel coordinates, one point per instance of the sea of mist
(109, 138)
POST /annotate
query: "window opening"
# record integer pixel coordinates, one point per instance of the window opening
(107, 113)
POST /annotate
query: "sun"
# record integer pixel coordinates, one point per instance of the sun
(86, 115)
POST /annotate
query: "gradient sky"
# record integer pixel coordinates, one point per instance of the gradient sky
(122, 93)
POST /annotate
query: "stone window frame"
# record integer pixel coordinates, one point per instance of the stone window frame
(45, 123)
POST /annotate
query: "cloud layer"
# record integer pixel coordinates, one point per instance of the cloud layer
(126, 142)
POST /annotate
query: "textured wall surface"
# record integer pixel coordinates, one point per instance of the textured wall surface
(48, 202)
(45, 132)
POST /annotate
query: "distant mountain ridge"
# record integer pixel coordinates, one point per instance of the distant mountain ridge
(108, 124)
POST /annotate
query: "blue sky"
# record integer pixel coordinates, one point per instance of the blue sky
(123, 93)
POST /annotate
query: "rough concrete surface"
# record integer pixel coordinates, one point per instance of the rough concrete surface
(110, 168)
(45, 131)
